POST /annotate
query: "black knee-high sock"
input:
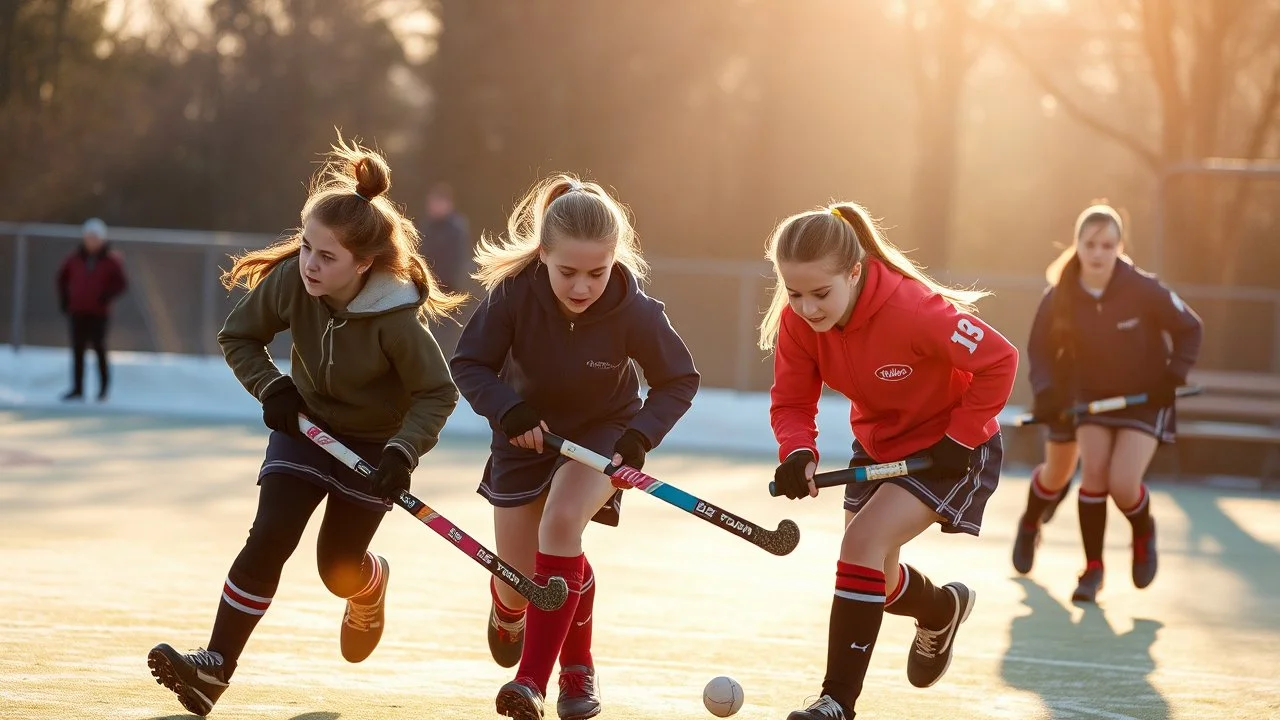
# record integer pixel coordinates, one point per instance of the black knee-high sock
(856, 612)
(917, 597)
(244, 602)
(1093, 524)
(1038, 499)
(1140, 515)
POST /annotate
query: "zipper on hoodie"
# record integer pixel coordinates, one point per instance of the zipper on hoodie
(326, 349)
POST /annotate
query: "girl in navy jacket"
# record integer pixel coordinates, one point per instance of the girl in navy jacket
(1100, 332)
(551, 347)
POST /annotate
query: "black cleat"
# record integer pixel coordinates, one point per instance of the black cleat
(1024, 548)
(578, 699)
(931, 654)
(362, 624)
(825, 708)
(506, 639)
(1089, 585)
(520, 699)
(198, 678)
(1144, 558)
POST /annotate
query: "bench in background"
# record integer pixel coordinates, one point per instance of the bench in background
(1236, 407)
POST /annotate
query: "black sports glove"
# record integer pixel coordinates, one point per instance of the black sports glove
(281, 406)
(951, 460)
(632, 446)
(789, 478)
(1165, 392)
(392, 476)
(1047, 407)
(519, 420)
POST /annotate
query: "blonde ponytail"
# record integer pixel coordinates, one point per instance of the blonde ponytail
(560, 206)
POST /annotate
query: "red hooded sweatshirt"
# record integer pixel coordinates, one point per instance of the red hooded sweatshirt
(912, 365)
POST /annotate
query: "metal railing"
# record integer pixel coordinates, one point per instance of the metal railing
(176, 304)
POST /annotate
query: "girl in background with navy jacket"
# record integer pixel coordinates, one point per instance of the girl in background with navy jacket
(1100, 332)
(550, 348)
(924, 376)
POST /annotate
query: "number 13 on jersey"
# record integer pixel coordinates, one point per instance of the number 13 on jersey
(968, 335)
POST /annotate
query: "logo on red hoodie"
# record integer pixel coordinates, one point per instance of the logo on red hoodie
(893, 373)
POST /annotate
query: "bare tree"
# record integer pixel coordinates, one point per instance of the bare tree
(1213, 73)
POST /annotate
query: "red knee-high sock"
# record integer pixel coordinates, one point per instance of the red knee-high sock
(577, 645)
(545, 630)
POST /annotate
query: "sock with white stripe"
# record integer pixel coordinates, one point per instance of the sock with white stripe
(371, 579)
(856, 613)
(244, 602)
(1039, 498)
(917, 597)
(1140, 514)
(511, 619)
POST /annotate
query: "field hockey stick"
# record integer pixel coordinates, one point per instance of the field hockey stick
(779, 542)
(1107, 405)
(546, 597)
(866, 473)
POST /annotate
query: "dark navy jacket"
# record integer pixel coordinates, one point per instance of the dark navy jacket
(576, 374)
(1119, 346)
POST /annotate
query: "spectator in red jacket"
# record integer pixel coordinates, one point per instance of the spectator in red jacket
(90, 279)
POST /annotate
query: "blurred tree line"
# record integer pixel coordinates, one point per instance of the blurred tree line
(976, 128)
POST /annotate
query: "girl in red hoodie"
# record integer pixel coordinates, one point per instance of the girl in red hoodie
(924, 378)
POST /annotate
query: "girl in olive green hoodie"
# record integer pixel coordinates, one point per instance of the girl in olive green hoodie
(355, 294)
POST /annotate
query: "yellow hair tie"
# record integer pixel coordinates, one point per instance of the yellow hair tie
(836, 211)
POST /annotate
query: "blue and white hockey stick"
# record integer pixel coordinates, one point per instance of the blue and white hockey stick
(779, 542)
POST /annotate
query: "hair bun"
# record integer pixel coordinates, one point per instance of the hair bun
(372, 175)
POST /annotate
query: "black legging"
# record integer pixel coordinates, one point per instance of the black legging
(285, 504)
(88, 331)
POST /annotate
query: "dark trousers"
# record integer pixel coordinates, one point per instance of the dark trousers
(89, 331)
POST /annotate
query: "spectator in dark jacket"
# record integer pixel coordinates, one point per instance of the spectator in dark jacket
(446, 243)
(88, 281)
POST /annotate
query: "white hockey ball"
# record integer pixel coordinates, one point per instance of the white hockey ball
(723, 696)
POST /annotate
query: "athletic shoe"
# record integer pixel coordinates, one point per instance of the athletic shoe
(931, 654)
(198, 678)
(825, 708)
(520, 699)
(1024, 548)
(1089, 585)
(362, 624)
(506, 639)
(578, 699)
